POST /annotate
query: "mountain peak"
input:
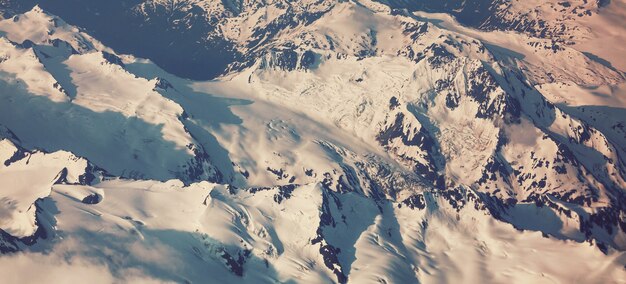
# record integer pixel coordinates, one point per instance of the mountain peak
(337, 141)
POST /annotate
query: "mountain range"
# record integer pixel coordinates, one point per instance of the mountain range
(313, 141)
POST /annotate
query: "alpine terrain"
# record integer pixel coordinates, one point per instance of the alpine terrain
(313, 141)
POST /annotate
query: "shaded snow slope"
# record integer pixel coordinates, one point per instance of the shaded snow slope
(27, 177)
(351, 143)
(166, 232)
(82, 99)
(199, 39)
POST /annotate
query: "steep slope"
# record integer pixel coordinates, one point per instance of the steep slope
(445, 107)
(27, 177)
(561, 21)
(199, 39)
(81, 99)
(353, 144)
(145, 230)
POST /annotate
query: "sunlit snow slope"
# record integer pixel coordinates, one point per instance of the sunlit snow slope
(354, 142)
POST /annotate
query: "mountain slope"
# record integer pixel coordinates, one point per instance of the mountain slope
(311, 234)
(351, 143)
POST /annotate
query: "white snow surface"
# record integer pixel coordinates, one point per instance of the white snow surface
(27, 179)
(163, 231)
(320, 155)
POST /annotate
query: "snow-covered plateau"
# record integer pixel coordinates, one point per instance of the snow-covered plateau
(313, 141)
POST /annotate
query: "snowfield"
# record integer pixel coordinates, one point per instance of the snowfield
(163, 231)
(356, 141)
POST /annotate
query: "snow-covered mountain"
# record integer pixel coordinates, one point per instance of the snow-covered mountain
(344, 141)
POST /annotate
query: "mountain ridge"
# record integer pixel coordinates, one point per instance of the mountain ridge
(393, 118)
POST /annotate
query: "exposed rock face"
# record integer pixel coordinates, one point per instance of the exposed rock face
(338, 131)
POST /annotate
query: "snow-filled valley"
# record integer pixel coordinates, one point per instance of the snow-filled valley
(345, 141)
